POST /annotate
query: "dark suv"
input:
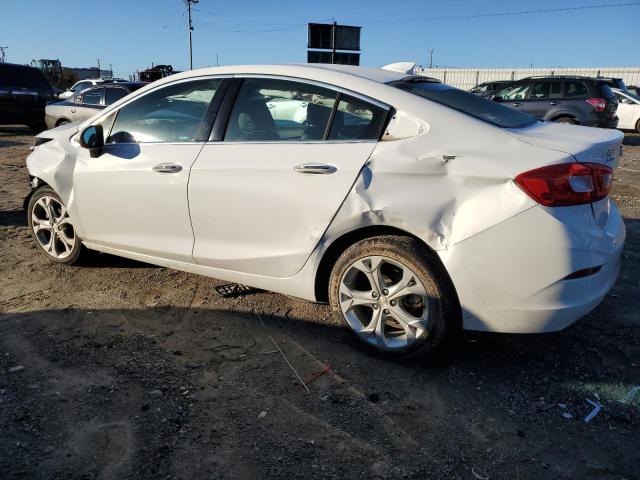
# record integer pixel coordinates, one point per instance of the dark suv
(579, 100)
(24, 92)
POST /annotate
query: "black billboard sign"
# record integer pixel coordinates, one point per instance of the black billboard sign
(332, 37)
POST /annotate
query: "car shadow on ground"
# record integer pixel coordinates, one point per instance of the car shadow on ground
(631, 139)
(12, 218)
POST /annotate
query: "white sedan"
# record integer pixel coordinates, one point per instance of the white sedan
(412, 207)
(628, 110)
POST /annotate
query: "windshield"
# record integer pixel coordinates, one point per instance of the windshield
(468, 103)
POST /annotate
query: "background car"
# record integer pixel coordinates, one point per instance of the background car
(86, 103)
(24, 92)
(84, 84)
(578, 100)
(370, 203)
(613, 82)
(628, 110)
(489, 88)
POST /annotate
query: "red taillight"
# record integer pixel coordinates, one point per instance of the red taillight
(598, 104)
(567, 183)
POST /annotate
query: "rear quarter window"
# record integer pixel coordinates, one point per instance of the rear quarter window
(575, 89)
(468, 103)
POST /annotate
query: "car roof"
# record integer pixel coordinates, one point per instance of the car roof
(117, 84)
(301, 70)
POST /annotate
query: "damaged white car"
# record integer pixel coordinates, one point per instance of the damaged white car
(412, 207)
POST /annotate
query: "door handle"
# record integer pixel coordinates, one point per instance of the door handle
(316, 169)
(554, 103)
(516, 104)
(167, 168)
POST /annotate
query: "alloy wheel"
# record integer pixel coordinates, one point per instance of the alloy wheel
(51, 227)
(384, 302)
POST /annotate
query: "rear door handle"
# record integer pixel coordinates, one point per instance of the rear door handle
(316, 169)
(554, 103)
(167, 168)
(516, 104)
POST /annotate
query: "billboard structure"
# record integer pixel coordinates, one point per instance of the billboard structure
(326, 39)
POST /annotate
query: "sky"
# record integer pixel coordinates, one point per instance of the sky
(131, 35)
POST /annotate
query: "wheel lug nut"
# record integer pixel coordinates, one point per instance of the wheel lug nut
(385, 292)
(385, 311)
(375, 306)
(374, 294)
(393, 303)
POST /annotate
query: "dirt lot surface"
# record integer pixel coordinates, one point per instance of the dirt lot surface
(123, 370)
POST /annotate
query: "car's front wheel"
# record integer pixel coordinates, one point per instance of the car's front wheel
(392, 296)
(50, 227)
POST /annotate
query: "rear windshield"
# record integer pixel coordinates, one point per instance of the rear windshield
(19, 76)
(468, 103)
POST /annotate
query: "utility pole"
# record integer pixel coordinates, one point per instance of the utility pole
(99, 70)
(2, 57)
(431, 58)
(188, 3)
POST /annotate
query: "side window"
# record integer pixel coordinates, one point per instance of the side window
(169, 114)
(546, 90)
(92, 97)
(272, 109)
(113, 94)
(575, 89)
(357, 120)
(515, 92)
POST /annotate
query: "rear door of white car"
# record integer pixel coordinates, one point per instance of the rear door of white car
(283, 155)
(133, 196)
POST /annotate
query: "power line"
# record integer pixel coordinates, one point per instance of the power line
(504, 14)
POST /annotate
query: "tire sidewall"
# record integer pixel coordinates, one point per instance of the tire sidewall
(77, 249)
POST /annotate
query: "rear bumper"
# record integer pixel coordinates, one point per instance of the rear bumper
(512, 277)
(605, 122)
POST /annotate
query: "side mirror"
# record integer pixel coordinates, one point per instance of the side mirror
(92, 138)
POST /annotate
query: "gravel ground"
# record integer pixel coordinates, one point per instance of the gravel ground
(118, 369)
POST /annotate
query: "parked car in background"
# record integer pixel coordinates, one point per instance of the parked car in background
(565, 99)
(84, 84)
(489, 88)
(85, 104)
(628, 110)
(358, 187)
(24, 92)
(634, 89)
(614, 82)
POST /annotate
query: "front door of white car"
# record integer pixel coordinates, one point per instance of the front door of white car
(133, 196)
(262, 196)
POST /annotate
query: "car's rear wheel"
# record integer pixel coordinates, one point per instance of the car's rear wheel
(392, 296)
(50, 227)
(638, 126)
(566, 120)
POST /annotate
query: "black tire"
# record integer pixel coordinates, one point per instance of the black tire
(444, 316)
(566, 120)
(76, 253)
(638, 126)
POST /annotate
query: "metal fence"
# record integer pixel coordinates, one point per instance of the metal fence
(467, 78)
